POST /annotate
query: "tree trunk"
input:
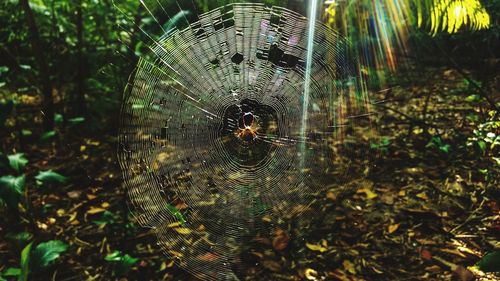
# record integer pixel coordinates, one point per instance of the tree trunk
(43, 68)
(81, 106)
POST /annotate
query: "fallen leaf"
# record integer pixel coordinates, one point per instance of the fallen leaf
(316, 247)
(271, 265)
(281, 239)
(369, 194)
(182, 230)
(393, 227)
(349, 266)
(425, 254)
(311, 274)
(330, 195)
(74, 194)
(95, 210)
(422, 195)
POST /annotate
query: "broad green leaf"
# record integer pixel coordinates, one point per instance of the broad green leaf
(3, 69)
(47, 252)
(123, 262)
(26, 133)
(17, 161)
(50, 176)
(12, 271)
(25, 263)
(490, 262)
(11, 188)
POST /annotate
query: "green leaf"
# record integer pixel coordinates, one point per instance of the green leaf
(445, 148)
(76, 120)
(17, 161)
(19, 238)
(174, 211)
(47, 252)
(25, 263)
(123, 262)
(172, 22)
(48, 135)
(25, 66)
(473, 98)
(482, 145)
(26, 133)
(50, 176)
(58, 119)
(11, 188)
(12, 271)
(490, 262)
(107, 217)
(3, 69)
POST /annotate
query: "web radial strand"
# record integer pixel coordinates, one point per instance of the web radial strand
(211, 136)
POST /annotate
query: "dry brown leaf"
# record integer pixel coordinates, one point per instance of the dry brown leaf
(393, 227)
(281, 239)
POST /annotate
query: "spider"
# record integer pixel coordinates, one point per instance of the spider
(248, 132)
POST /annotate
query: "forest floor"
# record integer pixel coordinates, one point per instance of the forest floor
(427, 209)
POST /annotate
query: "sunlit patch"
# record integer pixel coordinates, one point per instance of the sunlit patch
(451, 15)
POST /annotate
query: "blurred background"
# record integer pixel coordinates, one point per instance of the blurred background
(428, 209)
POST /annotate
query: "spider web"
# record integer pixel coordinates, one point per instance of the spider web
(210, 135)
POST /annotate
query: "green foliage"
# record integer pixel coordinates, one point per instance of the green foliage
(45, 253)
(11, 189)
(76, 120)
(490, 262)
(17, 161)
(437, 142)
(12, 272)
(19, 239)
(176, 213)
(175, 20)
(25, 263)
(486, 136)
(32, 261)
(107, 217)
(58, 119)
(47, 136)
(123, 262)
(382, 146)
(49, 176)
